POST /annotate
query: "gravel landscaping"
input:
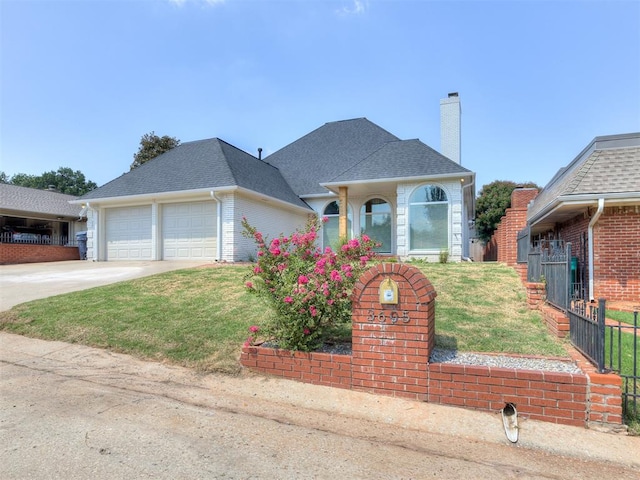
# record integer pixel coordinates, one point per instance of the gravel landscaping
(439, 355)
(502, 361)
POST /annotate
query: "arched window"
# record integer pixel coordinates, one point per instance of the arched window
(331, 229)
(428, 219)
(375, 222)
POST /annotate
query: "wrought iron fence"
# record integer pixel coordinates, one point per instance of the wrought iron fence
(523, 245)
(534, 266)
(612, 346)
(36, 239)
(556, 274)
(622, 343)
(586, 330)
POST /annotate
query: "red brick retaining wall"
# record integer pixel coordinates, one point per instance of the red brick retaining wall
(14, 253)
(393, 359)
(549, 396)
(556, 321)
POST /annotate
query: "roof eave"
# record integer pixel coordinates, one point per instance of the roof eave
(153, 197)
(420, 178)
(583, 200)
(277, 201)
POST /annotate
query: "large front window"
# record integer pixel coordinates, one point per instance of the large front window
(429, 219)
(375, 222)
(331, 229)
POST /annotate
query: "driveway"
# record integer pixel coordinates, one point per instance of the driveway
(31, 281)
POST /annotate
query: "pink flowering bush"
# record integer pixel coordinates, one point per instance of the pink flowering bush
(308, 288)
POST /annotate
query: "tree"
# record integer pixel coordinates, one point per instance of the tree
(492, 203)
(151, 145)
(64, 180)
(3, 177)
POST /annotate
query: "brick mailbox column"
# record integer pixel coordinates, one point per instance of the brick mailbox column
(393, 337)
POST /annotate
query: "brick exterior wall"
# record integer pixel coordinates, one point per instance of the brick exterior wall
(502, 246)
(617, 254)
(15, 253)
(393, 359)
(616, 245)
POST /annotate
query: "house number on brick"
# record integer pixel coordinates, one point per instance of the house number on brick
(381, 316)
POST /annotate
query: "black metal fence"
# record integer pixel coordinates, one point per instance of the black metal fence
(612, 346)
(586, 330)
(556, 273)
(609, 345)
(621, 347)
(523, 245)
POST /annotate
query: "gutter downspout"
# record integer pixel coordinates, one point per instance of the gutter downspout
(218, 226)
(593, 221)
(466, 237)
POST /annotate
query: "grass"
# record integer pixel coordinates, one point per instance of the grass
(194, 317)
(625, 317)
(482, 307)
(621, 360)
(200, 317)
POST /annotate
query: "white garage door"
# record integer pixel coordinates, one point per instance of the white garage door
(189, 231)
(129, 233)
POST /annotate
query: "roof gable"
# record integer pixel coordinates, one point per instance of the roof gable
(609, 166)
(334, 147)
(200, 164)
(411, 158)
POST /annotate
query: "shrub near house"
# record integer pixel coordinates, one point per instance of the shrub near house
(309, 289)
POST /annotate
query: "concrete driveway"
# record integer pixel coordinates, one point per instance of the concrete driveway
(31, 281)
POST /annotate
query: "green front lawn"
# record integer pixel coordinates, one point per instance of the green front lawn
(200, 317)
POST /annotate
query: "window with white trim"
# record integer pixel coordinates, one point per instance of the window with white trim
(331, 229)
(375, 222)
(429, 219)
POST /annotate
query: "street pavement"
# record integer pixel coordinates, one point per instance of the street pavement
(70, 411)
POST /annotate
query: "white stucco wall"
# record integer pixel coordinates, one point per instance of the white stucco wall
(271, 220)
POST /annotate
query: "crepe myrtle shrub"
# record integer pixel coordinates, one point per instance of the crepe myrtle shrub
(308, 288)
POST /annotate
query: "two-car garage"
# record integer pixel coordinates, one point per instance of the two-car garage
(187, 231)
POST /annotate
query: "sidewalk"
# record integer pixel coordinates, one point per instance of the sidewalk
(288, 400)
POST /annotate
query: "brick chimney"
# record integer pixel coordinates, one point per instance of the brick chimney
(450, 113)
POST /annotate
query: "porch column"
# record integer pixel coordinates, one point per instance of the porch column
(343, 208)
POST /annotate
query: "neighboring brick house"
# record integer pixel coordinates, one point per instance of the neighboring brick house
(594, 203)
(37, 225)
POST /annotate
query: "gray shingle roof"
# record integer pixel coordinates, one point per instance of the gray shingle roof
(334, 147)
(608, 166)
(45, 202)
(201, 164)
(401, 159)
(348, 150)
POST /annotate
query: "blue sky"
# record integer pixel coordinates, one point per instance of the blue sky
(82, 81)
